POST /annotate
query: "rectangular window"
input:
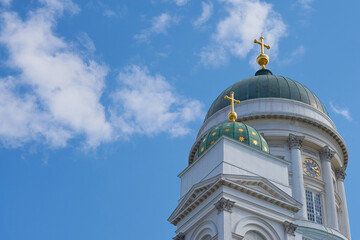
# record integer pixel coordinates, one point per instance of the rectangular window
(313, 205)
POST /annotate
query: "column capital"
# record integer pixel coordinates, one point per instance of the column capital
(295, 141)
(326, 153)
(180, 236)
(224, 205)
(340, 173)
(290, 228)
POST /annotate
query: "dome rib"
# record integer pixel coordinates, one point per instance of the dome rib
(236, 130)
(266, 85)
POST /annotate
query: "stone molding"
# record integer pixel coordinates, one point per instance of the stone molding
(295, 141)
(224, 205)
(180, 236)
(326, 153)
(332, 132)
(240, 183)
(340, 173)
(237, 236)
(290, 228)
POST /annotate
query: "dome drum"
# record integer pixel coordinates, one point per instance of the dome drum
(267, 96)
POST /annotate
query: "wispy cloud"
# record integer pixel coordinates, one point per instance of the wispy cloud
(305, 4)
(5, 3)
(86, 41)
(245, 20)
(60, 5)
(294, 55)
(181, 2)
(109, 13)
(149, 105)
(207, 10)
(116, 10)
(160, 24)
(341, 111)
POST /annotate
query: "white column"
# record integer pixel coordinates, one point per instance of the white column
(298, 189)
(340, 177)
(224, 207)
(326, 155)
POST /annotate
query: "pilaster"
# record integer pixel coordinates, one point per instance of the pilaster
(340, 177)
(224, 207)
(326, 154)
(298, 190)
(340, 174)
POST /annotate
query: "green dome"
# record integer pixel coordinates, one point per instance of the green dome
(236, 130)
(266, 85)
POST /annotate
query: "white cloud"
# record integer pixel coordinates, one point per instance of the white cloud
(160, 24)
(57, 93)
(22, 119)
(181, 2)
(149, 105)
(245, 21)
(341, 111)
(207, 10)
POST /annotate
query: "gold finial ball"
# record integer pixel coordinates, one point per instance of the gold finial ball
(232, 116)
(262, 59)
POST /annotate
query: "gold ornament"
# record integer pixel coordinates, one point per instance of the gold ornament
(232, 114)
(262, 59)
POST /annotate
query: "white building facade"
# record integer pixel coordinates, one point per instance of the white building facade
(281, 178)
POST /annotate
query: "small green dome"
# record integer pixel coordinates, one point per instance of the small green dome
(236, 130)
(266, 85)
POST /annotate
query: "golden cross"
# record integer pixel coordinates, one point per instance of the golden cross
(232, 114)
(261, 42)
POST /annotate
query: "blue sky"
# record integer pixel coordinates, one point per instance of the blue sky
(101, 101)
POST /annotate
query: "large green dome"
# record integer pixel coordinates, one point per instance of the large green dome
(236, 130)
(266, 85)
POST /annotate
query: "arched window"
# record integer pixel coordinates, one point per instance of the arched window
(252, 235)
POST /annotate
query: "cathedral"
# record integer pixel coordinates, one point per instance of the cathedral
(267, 164)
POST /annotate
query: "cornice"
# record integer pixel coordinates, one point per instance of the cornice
(273, 194)
(336, 136)
(236, 142)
